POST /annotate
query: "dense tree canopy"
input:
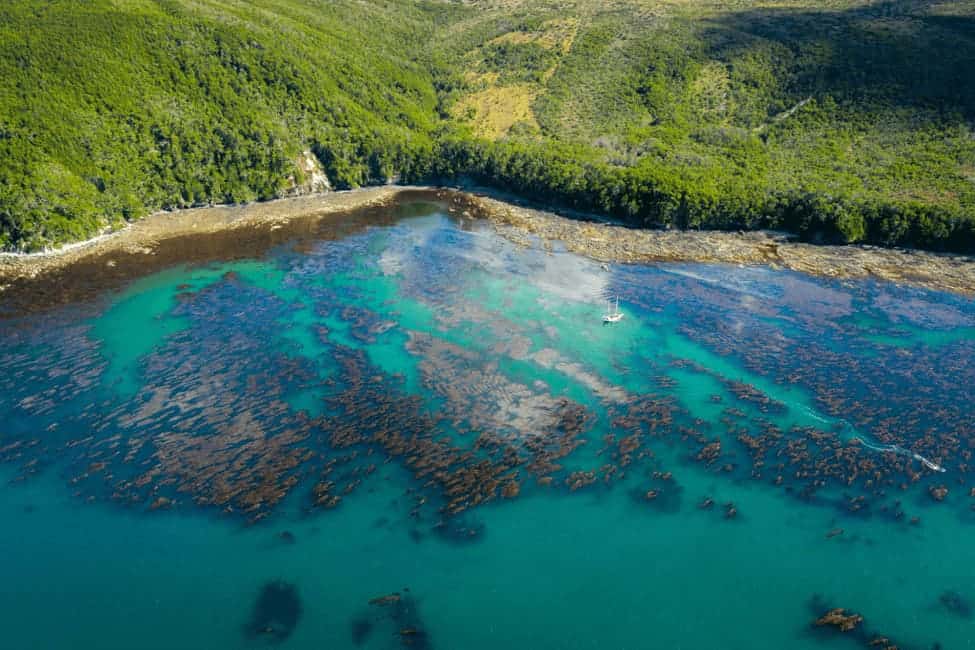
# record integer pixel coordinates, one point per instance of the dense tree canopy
(841, 121)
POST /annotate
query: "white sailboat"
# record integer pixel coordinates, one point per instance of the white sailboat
(614, 315)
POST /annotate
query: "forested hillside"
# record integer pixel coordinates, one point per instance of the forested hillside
(109, 109)
(840, 120)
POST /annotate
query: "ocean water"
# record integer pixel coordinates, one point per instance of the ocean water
(254, 453)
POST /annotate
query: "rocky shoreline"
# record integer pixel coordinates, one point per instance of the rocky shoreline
(144, 235)
(615, 243)
(77, 272)
(33, 282)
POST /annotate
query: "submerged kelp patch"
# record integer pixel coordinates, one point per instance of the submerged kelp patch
(394, 617)
(483, 373)
(276, 612)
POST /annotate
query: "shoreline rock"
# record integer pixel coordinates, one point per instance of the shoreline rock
(605, 242)
(80, 271)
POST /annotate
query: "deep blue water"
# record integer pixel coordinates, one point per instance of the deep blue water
(245, 454)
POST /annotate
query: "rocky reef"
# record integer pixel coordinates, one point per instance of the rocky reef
(80, 271)
(607, 242)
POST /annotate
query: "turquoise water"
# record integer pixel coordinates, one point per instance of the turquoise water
(428, 410)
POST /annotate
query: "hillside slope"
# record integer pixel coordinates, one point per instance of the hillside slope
(845, 120)
(841, 120)
(110, 109)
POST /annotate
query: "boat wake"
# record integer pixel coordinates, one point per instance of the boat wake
(895, 449)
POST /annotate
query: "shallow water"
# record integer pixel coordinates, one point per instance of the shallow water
(427, 409)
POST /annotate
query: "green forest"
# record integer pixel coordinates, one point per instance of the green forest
(837, 120)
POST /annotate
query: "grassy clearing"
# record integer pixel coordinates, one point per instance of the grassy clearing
(493, 111)
(846, 119)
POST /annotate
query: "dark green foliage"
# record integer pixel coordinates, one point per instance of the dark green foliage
(841, 121)
(517, 61)
(109, 113)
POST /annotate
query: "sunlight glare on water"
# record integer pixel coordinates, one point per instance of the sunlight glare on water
(424, 436)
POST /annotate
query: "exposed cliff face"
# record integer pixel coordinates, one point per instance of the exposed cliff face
(315, 179)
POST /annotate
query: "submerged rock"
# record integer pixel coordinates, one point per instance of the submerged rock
(277, 611)
(839, 618)
(399, 614)
(851, 625)
(955, 603)
(287, 537)
(361, 628)
(388, 599)
(162, 503)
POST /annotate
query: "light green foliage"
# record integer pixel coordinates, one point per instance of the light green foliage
(843, 121)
